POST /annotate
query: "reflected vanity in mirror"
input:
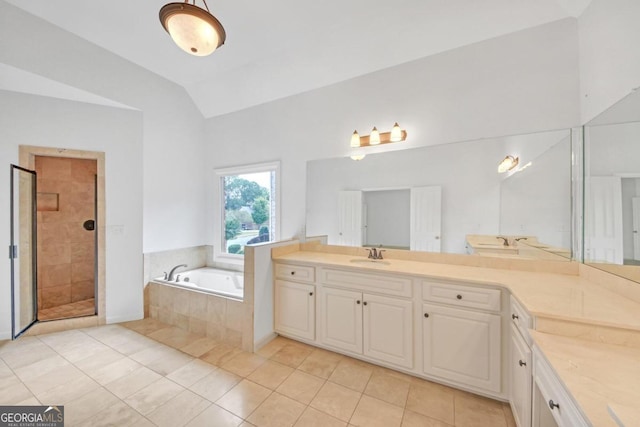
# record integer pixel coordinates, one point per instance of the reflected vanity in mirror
(450, 198)
(612, 189)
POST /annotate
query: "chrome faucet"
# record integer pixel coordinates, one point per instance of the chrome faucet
(506, 241)
(170, 277)
(375, 253)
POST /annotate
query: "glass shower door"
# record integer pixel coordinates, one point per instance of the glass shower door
(22, 251)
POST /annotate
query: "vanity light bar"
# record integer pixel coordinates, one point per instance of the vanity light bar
(376, 138)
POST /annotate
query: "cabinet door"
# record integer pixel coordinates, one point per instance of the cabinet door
(388, 329)
(521, 379)
(462, 345)
(295, 312)
(341, 319)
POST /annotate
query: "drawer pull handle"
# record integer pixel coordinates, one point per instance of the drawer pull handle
(553, 405)
(514, 316)
(459, 296)
(293, 273)
(310, 294)
(426, 315)
(358, 302)
(522, 363)
(364, 303)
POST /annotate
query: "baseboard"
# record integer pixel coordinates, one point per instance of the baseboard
(126, 318)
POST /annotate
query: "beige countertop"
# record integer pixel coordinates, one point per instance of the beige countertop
(597, 375)
(557, 296)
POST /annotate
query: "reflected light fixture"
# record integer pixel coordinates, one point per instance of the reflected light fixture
(374, 137)
(193, 29)
(508, 163)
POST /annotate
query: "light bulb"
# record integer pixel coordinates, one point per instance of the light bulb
(396, 133)
(355, 139)
(374, 138)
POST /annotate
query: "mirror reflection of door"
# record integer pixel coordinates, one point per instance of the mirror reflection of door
(66, 190)
(635, 211)
(23, 250)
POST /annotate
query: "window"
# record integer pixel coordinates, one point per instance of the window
(249, 206)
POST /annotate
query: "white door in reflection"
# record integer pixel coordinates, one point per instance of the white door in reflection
(603, 227)
(426, 213)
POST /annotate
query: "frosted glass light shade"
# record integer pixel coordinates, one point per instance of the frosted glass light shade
(507, 164)
(374, 137)
(355, 139)
(193, 29)
(396, 133)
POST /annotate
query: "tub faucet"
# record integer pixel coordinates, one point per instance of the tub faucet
(506, 241)
(170, 278)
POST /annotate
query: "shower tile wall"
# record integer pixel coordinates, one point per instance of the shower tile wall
(66, 251)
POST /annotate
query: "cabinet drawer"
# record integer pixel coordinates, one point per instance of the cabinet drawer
(368, 282)
(550, 392)
(300, 273)
(520, 319)
(461, 295)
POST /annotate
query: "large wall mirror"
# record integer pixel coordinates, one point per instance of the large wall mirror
(450, 198)
(612, 189)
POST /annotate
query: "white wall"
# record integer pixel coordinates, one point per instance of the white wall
(48, 122)
(387, 217)
(172, 165)
(613, 149)
(519, 83)
(609, 32)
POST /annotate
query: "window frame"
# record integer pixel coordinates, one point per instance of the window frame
(221, 173)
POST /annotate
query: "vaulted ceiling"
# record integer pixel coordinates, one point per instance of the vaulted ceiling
(280, 48)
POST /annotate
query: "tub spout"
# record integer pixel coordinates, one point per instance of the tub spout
(170, 278)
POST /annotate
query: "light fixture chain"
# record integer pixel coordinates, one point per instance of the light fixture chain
(205, 5)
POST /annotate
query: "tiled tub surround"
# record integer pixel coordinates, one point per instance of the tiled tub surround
(222, 319)
(66, 251)
(586, 321)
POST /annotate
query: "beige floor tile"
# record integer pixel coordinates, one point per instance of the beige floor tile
(270, 374)
(97, 361)
(215, 416)
(145, 326)
(244, 398)
(376, 413)
(12, 391)
(220, 354)
(199, 347)
(191, 372)
(352, 374)
(431, 400)
(292, 355)
(119, 414)
(170, 361)
(476, 411)
(413, 419)
(244, 363)
(314, 418)
(272, 347)
(215, 385)
(153, 396)
(174, 337)
(277, 411)
(88, 405)
(135, 381)
(132, 343)
(115, 370)
(41, 367)
(388, 388)
(54, 378)
(301, 386)
(336, 400)
(64, 393)
(321, 363)
(179, 410)
(511, 422)
(150, 354)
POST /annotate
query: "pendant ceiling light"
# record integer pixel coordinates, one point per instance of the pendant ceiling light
(193, 29)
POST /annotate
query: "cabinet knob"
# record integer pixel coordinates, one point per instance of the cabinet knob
(514, 316)
(293, 273)
(426, 315)
(364, 303)
(553, 405)
(358, 302)
(310, 294)
(459, 296)
(522, 363)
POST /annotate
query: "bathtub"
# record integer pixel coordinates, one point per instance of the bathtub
(214, 281)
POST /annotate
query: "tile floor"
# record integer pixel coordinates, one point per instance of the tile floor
(67, 311)
(147, 373)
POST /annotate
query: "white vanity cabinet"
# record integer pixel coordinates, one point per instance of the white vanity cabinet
(295, 301)
(520, 365)
(552, 404)
(462, 334)
(377, 326)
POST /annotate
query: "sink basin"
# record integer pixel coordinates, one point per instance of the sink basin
(370, 261)
(493, 245)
